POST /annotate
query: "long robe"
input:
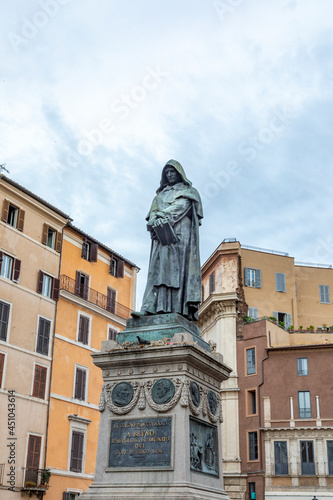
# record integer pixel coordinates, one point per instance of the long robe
(174, 274)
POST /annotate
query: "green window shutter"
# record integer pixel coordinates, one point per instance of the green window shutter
(280, 281)
(287, 320)
(276, 315)
(247, 276)
(258, 278)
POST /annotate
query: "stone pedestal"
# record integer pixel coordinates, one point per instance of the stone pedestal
(159, 434)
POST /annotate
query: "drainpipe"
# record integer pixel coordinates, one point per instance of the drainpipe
(259, 415)
(52, 352)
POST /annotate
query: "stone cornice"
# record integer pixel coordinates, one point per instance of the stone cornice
(219, 304)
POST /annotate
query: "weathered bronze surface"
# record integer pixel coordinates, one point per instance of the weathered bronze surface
(203, 447)
(174, 275)
(163, 391)
(212, 401)
(122, 394)
(143, 442)
(195, 393)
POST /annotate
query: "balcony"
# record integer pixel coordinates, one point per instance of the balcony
(36, 481)
(94, 297)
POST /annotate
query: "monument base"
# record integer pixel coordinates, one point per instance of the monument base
(159, 435)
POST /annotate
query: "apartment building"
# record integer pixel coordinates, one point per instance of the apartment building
(285, 412)
(96, 295)
(238, 283)
(30, 245)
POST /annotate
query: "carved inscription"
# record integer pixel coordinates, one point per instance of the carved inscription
(141, 442)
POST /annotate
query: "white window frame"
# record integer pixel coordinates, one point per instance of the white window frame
(115, 328)
(9, 321)
(4, 369)
(51, 334)
(300, 369)
(51, 237)
(16, 212)
(49, 287)
(26, 452)
(89, 316)
(304, 408)
(77, 427)
(86, 369)
(6, 259)
(253, 279)
(46, 381)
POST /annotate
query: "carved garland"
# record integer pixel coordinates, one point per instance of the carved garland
(204, 406)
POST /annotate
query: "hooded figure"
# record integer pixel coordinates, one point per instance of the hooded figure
(174, 274)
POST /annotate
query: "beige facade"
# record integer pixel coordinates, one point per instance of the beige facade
(30, 234)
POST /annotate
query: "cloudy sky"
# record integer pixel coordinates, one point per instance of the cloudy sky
(97, 96)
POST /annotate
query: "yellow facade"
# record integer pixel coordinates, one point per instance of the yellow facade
(68, 414)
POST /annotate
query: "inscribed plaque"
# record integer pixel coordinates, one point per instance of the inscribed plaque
(144, 442)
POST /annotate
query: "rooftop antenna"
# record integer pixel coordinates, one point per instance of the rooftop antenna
(2, 167)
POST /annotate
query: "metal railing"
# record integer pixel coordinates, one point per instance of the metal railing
(312, 264)
(34, 478)
(265, 250)
(94, 297)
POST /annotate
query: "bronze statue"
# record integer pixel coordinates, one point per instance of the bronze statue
(174, 274)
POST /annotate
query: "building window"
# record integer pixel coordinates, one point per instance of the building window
(89, 250)
(39, 382)
(304, 404)
(253, 446)
(83, 333)
(252, 491)
(51, 238)
(43, 336)
(252, 277)
(82, 285)
(13, 215)
(112, 334)
(250, 361)
(2, 366)
(111, 296)
(48, 286)
(211, 283)
(281, 458)
(80, 383)
(324, 293)
(307, 458)
(252, 312)
(280, 281)
(302, 367)
(4, 320)
(284, 318)
(330, 457)
(9, 267)
(77, 451)
(251, 402)
(33, 459)
(117, 267)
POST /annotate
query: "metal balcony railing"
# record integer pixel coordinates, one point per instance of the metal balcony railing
(94, 297)
(35, 478)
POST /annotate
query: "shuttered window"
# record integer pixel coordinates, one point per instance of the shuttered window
(111, 300)
(112, 334)
(252, 312)
(117, 267)
(77, 451)
(39, 382)
(33, 457)
(43, 336)
(4, 320)
(212, 283)
(280, 282)
(82, 285)
(89, 250)
(13, 215)
(83, 334)
(281, 458)
(9, 267)
(48, 286)
(252, 277)
(324, 293)
(2, 365)
(80, 383)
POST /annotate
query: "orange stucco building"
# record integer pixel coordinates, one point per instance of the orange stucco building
(97, 293)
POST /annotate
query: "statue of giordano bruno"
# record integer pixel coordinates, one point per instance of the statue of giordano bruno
(174, 274)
